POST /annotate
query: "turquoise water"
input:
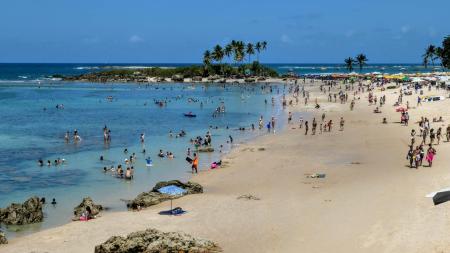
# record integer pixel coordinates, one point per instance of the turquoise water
(33, 128)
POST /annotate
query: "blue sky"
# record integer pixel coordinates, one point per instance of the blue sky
(163, 31)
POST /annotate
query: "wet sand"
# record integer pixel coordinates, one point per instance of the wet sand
(369, 201)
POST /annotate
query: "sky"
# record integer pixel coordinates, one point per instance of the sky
(179, 31)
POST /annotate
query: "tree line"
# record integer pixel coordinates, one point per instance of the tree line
(440, 54)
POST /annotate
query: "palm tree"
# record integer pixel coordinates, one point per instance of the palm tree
(228, 51)
(429, 55)
(263, 45)
(439, 52)
(258, 48)
(361, 59)
(431, 51)
(349, 63)
(250, 51)
(206, 60)
(217, 55)
(239, 52)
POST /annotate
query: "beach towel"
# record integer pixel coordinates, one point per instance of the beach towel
(176, 211)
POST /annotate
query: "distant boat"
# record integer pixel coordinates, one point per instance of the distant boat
(189, 115)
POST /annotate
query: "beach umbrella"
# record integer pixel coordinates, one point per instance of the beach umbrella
(173, 191)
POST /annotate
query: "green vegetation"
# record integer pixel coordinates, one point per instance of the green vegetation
(213, 66)
(177, 74)
(361, 60)
(236, 52)
(442, 54)
(349, 63)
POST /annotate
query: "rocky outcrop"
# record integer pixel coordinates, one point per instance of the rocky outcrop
(191, 187)
(19, 214)
(206, 150)
(152, 241)
(3, 238)
(154, 197)
(81, 208)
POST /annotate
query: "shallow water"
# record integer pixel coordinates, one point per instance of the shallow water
(32, 128)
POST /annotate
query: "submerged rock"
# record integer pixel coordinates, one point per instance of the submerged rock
(152, 241)
(206, 150)
(19, 214)
(81, 208)
(154, 197)
(3, 238)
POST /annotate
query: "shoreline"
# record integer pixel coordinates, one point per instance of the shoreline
(367, 185)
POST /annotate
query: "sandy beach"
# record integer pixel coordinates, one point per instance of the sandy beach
(369, 201)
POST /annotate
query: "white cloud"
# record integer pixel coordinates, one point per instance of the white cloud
(405, 29)
(90, 40)
(286, 39)
(349, 33)
(136, 39)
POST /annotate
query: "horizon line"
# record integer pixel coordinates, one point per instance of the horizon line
(199, 63)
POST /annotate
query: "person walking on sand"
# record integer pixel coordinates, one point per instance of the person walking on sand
(330, 123)
(306, 127)
(314, 127)
(272, 122)
(447, 133)
(410, 156)
(289, 117)
(431, 152)
(439, 135)
(341, 124)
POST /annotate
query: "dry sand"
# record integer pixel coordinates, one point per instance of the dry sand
(369, 201)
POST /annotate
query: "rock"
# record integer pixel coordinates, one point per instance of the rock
(19, 214)
(191, 187)
(95, 209)
(147, 199)
(154, 197)
(152, 241)
(206, 150)
(3, 238)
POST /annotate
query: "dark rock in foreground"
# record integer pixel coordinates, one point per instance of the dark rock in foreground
(3, 238)
(152, 241)
(154, 197)
(19, 214)
(81, 208)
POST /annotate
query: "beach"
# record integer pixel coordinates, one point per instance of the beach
(369, 200)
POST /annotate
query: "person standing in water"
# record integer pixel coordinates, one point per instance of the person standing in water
(272, 122)
(195, 164)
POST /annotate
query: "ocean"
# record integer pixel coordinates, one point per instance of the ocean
(32, 128)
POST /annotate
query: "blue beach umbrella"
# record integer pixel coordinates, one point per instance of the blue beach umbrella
(173, 191)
